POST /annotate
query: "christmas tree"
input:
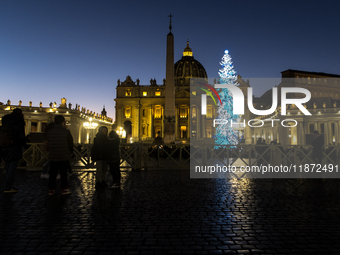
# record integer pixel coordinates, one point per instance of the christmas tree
(226, 134)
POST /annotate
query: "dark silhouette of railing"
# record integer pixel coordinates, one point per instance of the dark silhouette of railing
(178, 156)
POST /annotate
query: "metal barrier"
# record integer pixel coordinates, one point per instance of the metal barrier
(167, 156)
(178, 156)
(249, 155)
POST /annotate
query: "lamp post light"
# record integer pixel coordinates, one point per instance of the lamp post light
(121, 132)
(89, 126)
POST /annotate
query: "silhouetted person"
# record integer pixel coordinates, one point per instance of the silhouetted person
(317, 147)
(158, 140)
(13, 153)
(99, 155)
(114, 158)
(60, 147)
(274, 142)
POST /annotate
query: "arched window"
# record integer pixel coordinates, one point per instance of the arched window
(128, 92)
(158, 113)
(128, 113)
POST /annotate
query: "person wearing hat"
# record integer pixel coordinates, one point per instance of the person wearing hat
(317, 147)
(60, 147)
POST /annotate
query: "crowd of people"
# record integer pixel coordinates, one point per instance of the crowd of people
(59, 143)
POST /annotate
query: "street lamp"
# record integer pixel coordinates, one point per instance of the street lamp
(90, 126)
(121, 132)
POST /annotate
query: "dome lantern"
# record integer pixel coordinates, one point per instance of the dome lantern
(188, 67)
(187, 51)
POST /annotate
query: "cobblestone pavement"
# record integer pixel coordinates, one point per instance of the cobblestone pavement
(166, 212)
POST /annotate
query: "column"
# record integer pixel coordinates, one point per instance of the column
(305, 131)
(39, 126)
(162, 120)
(188, 124)
(294, 135)
(150, 120)
(326, 135)
(136, 124)
(140, 122)
(177, 132)
(28, 128)
(119, 115)
(283, 135)
(301, 133)
(275, 133)
(198, 123)
(80, 129)
(330, 133)
(271, 131)
(335, 133)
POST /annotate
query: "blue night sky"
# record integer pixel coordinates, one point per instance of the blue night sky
(79, 49)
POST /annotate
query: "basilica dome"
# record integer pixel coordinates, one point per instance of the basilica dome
(188, 67)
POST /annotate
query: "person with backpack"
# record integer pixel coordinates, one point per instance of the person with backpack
(11, 152)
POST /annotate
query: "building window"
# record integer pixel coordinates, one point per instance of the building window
(157, 93)
(194, 93)
(158, 113)
(144, 130)
(193, 112)
(311, 128)
(128, 92)
(127, 113)
(209, 112)
(145, 93)
(183, 113)
(143, 112)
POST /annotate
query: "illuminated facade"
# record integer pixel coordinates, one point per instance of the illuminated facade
(324, 106)
(83, 124)
(140, 108)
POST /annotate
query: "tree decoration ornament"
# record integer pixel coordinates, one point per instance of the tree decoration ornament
(227, 134)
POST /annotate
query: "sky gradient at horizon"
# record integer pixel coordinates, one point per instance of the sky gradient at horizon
(79, 49)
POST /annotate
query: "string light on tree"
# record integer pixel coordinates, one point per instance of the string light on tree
(226, 134)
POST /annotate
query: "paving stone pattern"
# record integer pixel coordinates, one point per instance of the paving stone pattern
(166, 212)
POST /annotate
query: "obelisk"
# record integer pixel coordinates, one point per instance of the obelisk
(169, 111)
